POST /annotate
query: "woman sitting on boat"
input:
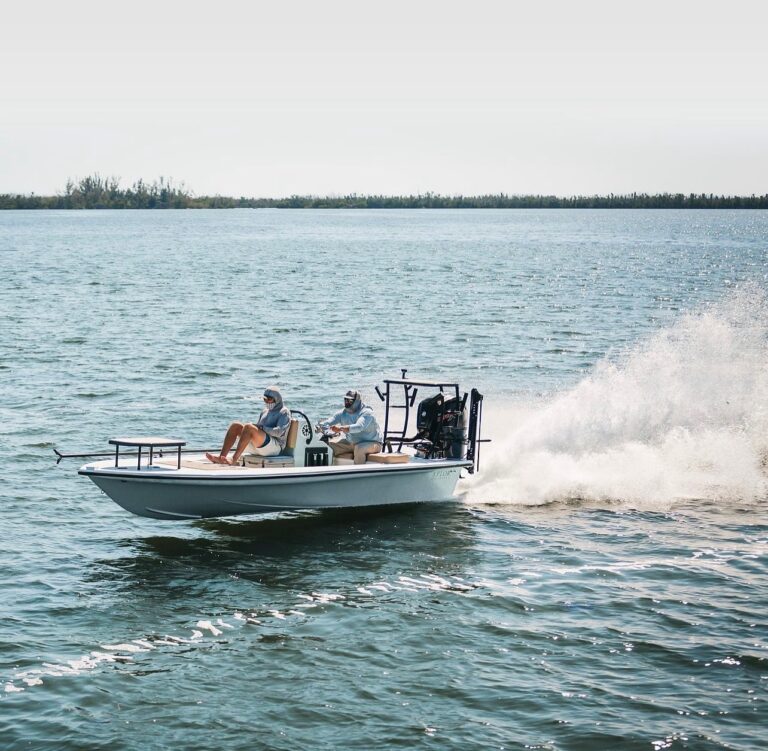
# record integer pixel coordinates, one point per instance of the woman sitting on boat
(356, 424)
(266, 438)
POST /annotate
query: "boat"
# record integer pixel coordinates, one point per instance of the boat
(160, 478)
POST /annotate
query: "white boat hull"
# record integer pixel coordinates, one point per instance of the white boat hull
(163, 492)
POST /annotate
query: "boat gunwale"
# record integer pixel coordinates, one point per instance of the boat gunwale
(257, 474)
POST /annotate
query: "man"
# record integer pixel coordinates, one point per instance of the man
(266, 438)
(357, 427)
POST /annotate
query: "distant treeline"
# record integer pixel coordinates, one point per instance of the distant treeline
(96, 192)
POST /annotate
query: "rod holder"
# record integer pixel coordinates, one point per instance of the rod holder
(316, 456)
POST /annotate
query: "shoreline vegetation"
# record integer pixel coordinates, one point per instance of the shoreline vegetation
(96, 192)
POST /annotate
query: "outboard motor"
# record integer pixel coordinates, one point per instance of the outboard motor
(441, 424)
(442, 428)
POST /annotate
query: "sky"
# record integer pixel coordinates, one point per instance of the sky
(273, 99)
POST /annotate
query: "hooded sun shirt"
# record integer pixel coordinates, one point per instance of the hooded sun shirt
(275, 420)
(363, 426)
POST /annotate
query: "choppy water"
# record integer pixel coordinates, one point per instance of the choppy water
(602, 584)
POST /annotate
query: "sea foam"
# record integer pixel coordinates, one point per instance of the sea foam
(684, 414)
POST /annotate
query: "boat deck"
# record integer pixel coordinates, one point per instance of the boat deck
(198, 467)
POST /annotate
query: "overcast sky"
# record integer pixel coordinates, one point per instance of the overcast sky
(270, 99)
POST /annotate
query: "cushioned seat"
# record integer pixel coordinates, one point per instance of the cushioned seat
(283, 459)
(382, 457)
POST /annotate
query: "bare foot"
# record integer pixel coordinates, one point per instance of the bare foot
(216, 459)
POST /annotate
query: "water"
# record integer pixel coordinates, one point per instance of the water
(601, 584)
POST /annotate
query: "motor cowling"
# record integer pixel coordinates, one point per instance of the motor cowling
(442, 423)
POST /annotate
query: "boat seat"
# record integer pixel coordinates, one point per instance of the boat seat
(379, 458)
(383, 457)
(283, 459)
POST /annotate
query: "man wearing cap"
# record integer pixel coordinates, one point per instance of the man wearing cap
(357, 427)
(266, 437)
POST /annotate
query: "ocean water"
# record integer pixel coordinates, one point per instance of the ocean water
(602, 583)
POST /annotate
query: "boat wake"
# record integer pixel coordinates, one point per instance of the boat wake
(684, 415)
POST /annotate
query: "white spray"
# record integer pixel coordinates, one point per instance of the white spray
(683, 415)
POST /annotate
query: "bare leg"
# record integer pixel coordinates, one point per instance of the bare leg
(233, 433)
(250, 434)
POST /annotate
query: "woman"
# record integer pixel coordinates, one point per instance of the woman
(266, 437)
